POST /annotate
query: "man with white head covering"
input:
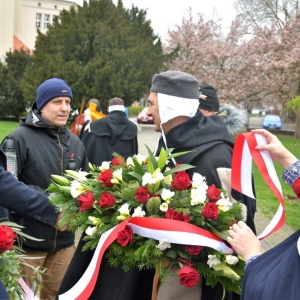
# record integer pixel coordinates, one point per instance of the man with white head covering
(173, 105)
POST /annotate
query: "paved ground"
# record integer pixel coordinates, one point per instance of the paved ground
(148, 136)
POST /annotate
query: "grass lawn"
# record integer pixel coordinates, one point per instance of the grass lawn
(263, 192)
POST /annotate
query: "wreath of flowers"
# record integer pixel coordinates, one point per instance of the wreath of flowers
(11, 259)
(142, 186)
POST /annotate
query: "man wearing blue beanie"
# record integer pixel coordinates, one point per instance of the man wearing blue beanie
(44, 146)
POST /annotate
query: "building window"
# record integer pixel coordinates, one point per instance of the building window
(55, 6)
(39, 5)
(38, 19)
(46, 21)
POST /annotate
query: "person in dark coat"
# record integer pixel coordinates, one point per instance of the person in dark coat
(274, 274)
(102, 138)
(173, 105)
(44, 146)
(115, 133)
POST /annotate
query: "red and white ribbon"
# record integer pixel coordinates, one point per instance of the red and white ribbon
(173, 231)
(241, 178)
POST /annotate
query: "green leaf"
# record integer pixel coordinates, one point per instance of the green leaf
(152, 163)
(179, 154)
(136, 175)
(137, 166)
(171, 253)
(61, 180)
(179, 168)
(162, 159)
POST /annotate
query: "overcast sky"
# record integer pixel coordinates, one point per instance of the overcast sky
(165, 13)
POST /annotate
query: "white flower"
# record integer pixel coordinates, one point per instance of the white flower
(163, 245)
(198, 196)
(167, 194)
(105, 166)
(138, 212)
(124, 209)
(199, 181)
(163, 207)
(168, 179)
(232, 259)
(76, 189)
(117, 176)
(90, 230)
(80, 175)
(129, 162)
(213, 260)
(224, 203)
(140, 158)
(149, 178)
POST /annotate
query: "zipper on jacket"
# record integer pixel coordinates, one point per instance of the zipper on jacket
(62, 170)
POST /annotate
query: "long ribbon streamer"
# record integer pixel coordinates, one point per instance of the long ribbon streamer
(241, 179)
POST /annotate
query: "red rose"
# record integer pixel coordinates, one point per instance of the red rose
(193, 250)
(7, 237)
(210, 211)
(181, 181)
(174, 215)
(107, 200)
(125, 236)
(188, 276)
(86, 201)
(142, 195)
(116, 161)
(106, 177)
(184, 261)
(213, 193)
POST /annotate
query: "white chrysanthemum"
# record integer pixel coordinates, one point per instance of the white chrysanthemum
(164, 207)
(232, 259)
(105, 166)
(198, 196)
(163, 245)
(117, 176)
(76, 189)
(124, 209)
(138, 212)
(90, 230)
(199, 181)
(224, 203)
(213, 260)
(129, 162)
(167, 194)
(140, 158)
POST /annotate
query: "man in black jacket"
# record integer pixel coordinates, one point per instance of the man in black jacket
(115, 133)
(173, 105)
(44, 146)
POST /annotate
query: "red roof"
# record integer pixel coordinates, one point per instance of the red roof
(18, 45)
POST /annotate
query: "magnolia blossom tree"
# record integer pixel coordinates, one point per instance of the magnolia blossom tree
(241, 66)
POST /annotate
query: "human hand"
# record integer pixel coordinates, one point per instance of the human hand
(65, 228)
(78, 127)
(277, 151)
(244, 241)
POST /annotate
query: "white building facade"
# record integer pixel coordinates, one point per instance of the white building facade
(20, 19)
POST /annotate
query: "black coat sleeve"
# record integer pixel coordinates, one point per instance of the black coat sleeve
(16, 196)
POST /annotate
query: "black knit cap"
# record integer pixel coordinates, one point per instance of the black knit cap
(211, 103)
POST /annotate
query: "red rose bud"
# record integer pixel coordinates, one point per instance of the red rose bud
(184, 261)
(194, 250)
(174, 215)
(188, 276)
(107, 200)
(142, 195)
(106, 177)
(86, 201)
(181, 181)
(213, 193)
(125, 236)
(210, 211)
(7, 237)
(116, 161)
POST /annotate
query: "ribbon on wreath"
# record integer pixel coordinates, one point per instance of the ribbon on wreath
(185, 233)
(241, 174)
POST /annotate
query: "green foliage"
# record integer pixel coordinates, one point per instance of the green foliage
(135, 110)
(101, 50)
(12, 101)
